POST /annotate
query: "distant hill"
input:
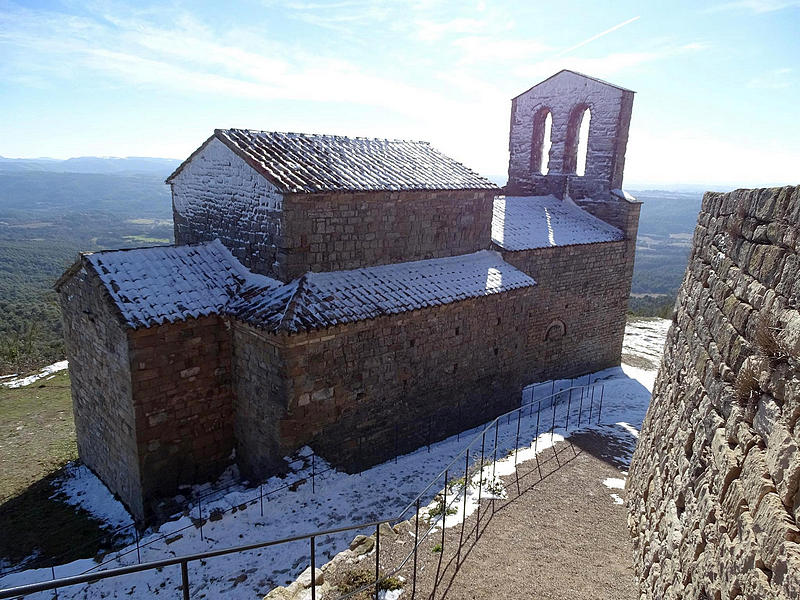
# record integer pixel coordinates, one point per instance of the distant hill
(92, 164)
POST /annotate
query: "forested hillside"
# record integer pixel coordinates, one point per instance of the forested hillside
(46, 218)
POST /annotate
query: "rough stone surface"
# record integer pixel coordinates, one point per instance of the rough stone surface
(565, 96)
(99, 369)
(713, 488)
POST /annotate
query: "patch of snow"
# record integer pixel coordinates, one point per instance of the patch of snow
(78, 486)
(617, 499)
(615, 483)
(23, 381)
(645, 338)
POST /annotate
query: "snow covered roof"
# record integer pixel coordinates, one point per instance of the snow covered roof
(527, 222)
(570, 71)
(166, 284)
(318, 300)
(303, 163)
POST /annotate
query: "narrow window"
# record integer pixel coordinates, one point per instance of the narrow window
(541, 141)
(583, 142)
(577, 141)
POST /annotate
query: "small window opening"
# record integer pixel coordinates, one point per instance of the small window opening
(583, 142)
(541, 141)
(496, 351)
(457, 330)
(411, 343)
(576, 148)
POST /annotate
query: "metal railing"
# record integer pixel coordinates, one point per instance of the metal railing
(580, 395)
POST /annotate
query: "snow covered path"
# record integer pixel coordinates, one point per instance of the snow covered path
(339, 499)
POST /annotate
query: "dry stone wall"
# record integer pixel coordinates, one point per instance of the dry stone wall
(331, 232)
(713, 487)
(99, 368)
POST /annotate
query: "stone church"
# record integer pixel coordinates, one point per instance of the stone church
(361, 296)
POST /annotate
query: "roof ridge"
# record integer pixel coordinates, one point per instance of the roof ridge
(325, 135)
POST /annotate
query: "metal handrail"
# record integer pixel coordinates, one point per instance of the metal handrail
(183, 561)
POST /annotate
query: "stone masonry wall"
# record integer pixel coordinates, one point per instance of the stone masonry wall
(99, 369)
(181, 376)
(565, 95)
(261, 382)
(585, 288)
(218, 195)
(713, 487)
(330, 232)
(445, 368)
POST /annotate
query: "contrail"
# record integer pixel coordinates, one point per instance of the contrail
(599, 35)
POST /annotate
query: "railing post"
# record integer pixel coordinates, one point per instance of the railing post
(464, 516)
(138, 555)
(538, 415)
(377, 559)
(580, 408)
(185, 579)
(313, 474)
(600, 405)
(313, 569)
(516, 440)
(261, 497)
(569, 406)
(591, 406)
(553, 424)
(416, 547)
(53, 571)
(200, 512)
(480, 486)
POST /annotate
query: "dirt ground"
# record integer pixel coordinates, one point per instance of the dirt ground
(558, 535)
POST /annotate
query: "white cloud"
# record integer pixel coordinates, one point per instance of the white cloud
(775, 79)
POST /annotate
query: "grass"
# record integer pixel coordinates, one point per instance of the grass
(37, 433)
(354, 580)
(37, 438)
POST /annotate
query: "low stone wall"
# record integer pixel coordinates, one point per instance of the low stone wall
(713, 487)
(181, 376)
(338, 231)
(99, 369)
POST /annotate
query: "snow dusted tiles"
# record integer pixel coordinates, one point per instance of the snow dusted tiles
(528, 222)
(166, 284)
(296, 162)
(319, 300)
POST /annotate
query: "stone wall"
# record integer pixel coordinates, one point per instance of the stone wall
(578, 307)
(99, 369)
(181, 376)
(430, 373)
(713, 487)
(565, 96)
(261, 382)
(331, 232)
(218, 195)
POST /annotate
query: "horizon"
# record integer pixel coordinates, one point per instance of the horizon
(715, 84)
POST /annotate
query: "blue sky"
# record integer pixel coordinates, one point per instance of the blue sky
(717, 82)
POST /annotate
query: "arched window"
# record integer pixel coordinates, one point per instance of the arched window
(577, 142)
(555, 331)
(540, 141)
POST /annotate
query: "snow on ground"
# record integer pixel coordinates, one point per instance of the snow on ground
(18, 382)
(78, 486)
(645, 338)
(340, 499)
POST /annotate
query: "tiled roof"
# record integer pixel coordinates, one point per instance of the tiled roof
(527, 222)
(319, 300)
(165, 284)
(296, 162)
